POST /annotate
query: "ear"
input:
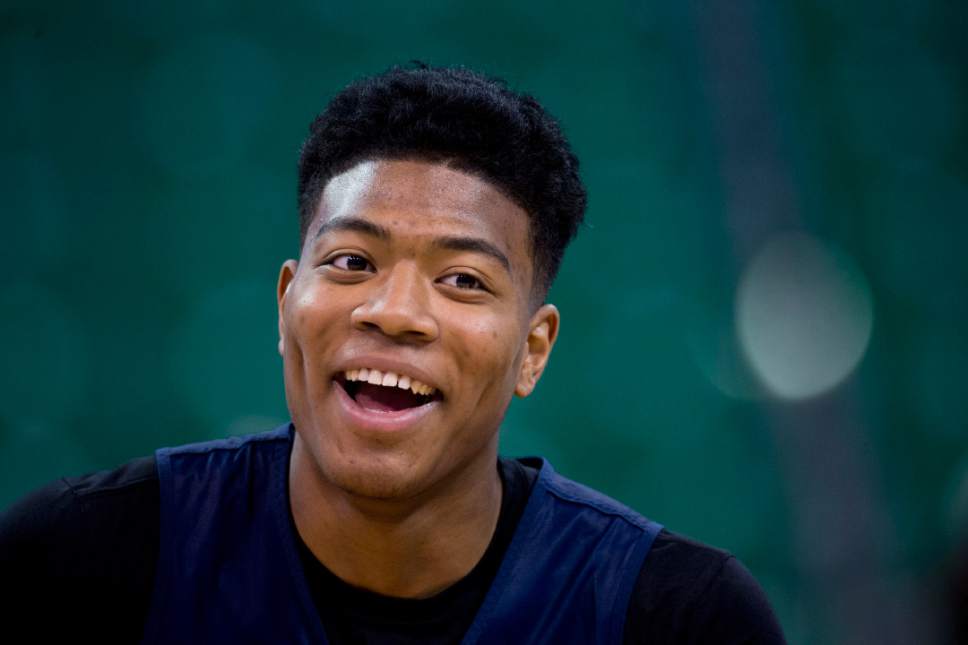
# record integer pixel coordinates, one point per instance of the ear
(286, 275)
(542, 333)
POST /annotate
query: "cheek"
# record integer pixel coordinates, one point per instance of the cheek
(313, 326)
(489, 351)
(313, 310)
(304, 307)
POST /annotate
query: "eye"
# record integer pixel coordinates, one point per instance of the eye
(350, 262)
(462, 281)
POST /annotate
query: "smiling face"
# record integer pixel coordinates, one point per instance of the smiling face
(406, 327)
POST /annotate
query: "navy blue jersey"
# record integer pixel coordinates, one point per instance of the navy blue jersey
(81, 558)
(229, 570)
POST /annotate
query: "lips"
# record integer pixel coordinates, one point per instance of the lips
(383, 398)
(383, 392)
(372, 414)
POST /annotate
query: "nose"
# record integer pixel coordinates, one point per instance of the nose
(398, 307)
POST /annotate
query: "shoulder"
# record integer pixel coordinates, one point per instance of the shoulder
(61, 505)
(688, 591)
(684, 590)
(81, 542)
(570, 491)
(226, 454)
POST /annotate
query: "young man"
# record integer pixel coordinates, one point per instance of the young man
(435, 206)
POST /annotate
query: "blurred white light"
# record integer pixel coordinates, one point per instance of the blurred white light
(803, 316)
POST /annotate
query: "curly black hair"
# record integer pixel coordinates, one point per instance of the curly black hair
(468, 121)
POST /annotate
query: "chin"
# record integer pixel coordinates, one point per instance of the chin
(375, 476)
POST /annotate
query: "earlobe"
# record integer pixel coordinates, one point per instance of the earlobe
(286, 275)
(541, 338)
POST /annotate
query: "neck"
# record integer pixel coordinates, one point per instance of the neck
(410, 548)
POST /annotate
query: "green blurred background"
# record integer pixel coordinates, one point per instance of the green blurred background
(763, 339)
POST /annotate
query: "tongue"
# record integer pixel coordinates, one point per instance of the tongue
(385, 399)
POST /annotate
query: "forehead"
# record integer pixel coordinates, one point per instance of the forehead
(417, 199)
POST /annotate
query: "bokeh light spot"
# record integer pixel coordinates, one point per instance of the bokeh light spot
(803, 315)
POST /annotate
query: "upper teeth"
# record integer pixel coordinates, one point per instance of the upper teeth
(390, 379)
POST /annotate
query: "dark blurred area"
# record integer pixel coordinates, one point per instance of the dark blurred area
(763, 341)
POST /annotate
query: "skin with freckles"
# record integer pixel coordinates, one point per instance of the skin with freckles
(428, 271)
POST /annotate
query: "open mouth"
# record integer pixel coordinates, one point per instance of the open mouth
(385, 391)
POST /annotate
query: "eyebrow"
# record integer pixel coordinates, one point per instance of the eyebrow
(474, 245)
(451, 243)
(354, 224)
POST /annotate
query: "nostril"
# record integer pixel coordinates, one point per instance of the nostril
(396, 321)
